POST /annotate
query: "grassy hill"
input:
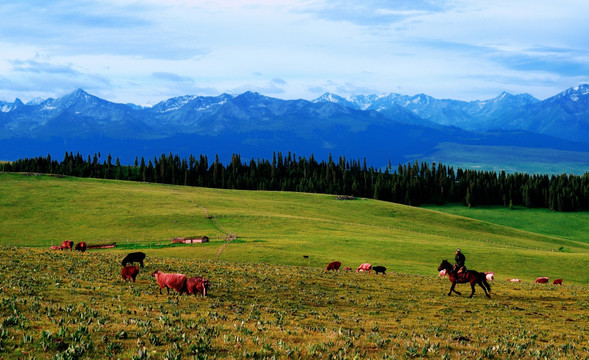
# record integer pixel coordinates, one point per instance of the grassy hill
(275, 227)
(266, 299)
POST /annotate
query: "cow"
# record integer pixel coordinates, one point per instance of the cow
(129, 272)
(541, 280)
(198, 284)
(133, 258)
(379, 269)
(81, 246)
(347, 268)
(514, 280)
(56, 248)
(171, 281)
(67, 244)
(490, 276)
(334, 265)
(557, 282)
(364, 267)
(443, 273)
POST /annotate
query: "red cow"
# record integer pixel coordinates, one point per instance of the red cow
(198, 284)
(334, 265)
(171, 281)
(129, 272)
(364, 267)
(56, 248)
(443, 273)
(67, 244)
(514, 280)
(557, 282)
(81, 246)
(541, 280)
(490, 275)
(347, 268)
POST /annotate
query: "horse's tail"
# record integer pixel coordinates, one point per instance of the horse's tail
(483, 279)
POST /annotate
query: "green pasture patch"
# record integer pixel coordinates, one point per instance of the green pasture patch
(572, 226)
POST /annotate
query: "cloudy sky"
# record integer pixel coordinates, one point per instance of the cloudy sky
(150, 50)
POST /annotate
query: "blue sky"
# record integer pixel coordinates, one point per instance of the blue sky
(150, 50)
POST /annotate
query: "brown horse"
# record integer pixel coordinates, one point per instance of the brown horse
(473, 277)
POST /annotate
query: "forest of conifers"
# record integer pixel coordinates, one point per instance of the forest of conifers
(411, 184)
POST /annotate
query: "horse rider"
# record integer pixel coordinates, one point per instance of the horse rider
(459, 268)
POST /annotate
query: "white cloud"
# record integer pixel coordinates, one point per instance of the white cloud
(145, 51)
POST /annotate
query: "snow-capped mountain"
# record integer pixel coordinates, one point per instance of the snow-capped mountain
(382, 127)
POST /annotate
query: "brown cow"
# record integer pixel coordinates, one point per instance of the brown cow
(198, 284)
(557, 282)
(541, 280)
(334, 265)
(81, 246)
(67, 244)
(129, 272)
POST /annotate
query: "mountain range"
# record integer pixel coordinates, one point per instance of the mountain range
(512, 132)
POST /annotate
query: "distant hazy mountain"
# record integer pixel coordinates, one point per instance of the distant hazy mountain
(380, 128)
(565, 115)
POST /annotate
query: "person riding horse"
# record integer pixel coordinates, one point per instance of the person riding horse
(459, 268)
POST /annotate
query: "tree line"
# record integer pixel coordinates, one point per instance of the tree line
(411, 184)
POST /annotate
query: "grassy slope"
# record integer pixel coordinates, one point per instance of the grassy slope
(75, 306)
(273, 227)
(572, 226)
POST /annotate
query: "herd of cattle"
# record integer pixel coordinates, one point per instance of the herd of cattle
(68, 244)
(179, 282)
(366, 267)
(197, 284)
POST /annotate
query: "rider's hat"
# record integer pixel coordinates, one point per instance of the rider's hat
(457, 250)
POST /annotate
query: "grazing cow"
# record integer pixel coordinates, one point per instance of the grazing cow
(56, 247)
(347, 268)
(364, 267)
(514, 280)
(129, 272)
(171, 281)
(541, 280)
(81, 246)
(379, 269)
(557, 282)
(133, 258)
(334, 265)
(443, 273)
(198, 284)
(67, 244)
(490, 276)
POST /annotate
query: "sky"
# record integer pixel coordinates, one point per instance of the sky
(147, 51)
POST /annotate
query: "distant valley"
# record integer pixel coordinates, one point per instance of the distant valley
(511, 132)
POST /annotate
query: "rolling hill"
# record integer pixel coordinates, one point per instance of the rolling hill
(275, 227)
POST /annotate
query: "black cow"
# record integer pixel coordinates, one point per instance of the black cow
(134, 257)
(379, 269)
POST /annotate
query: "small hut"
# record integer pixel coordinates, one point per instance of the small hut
(190, 240)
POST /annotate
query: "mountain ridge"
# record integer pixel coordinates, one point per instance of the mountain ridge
(377, 127)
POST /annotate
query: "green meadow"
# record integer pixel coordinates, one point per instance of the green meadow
(270, 295)
(286, 228)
